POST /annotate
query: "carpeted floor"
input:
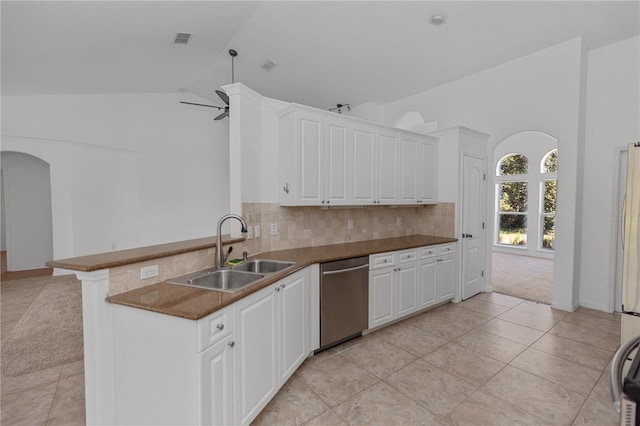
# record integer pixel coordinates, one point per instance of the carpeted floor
(49, 333)
(526, 277)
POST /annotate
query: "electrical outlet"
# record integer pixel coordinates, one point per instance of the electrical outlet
(148, 272)
(257, 232)
(274, 229)
(349, 224)
(398, 221)
(249, 232)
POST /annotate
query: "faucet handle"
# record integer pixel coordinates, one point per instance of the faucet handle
(245, 255)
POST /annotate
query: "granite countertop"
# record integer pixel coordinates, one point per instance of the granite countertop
(112, 259)
(195, 303)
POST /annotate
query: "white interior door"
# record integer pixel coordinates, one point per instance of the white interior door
(474, 191)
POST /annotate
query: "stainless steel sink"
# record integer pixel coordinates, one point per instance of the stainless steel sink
(218, 279)
(263, 266)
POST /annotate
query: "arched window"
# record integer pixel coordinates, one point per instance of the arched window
(549, 162)
(548, 190)
(513, 164)
(512, 197)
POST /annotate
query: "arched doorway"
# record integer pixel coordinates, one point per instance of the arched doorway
(525, 176)
(26, 211)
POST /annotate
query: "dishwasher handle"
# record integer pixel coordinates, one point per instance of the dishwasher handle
(340, 271)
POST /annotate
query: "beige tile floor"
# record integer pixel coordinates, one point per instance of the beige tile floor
(490, 360)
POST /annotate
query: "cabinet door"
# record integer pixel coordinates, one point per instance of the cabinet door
(427, 281)
(406, 285)
(428, 172)
(255, 360)
(216, 383)
(387, 170)
(292, 308)
(336, 156)
(408, 193)
(363, 159)
(446, 278)
(309, 145)
(381, 298)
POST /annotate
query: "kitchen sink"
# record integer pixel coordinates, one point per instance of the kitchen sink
(263, 266)
(218, 279)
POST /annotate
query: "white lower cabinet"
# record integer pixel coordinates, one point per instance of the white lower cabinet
(256, 367)
(393, 288)
(216, 375)
(222, 369)
(446, 277)
(403, 282)
(437, 274)
(381, 298)
(293, 324)
(272, 343)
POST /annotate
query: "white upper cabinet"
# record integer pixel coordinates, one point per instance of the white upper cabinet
(428, 176)
(327, 159)
(362, 161)
(336, 167)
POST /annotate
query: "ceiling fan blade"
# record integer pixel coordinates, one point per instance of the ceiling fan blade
(223, 96)
(223, 115)
(209, 106)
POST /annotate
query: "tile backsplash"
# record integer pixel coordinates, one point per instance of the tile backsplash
(313, 226)
(298, 227)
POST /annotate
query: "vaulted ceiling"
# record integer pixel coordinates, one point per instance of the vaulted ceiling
(325, 52)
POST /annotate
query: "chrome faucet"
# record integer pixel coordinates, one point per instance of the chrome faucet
(219, 253)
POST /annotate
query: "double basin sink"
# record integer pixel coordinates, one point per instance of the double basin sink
(234, 279)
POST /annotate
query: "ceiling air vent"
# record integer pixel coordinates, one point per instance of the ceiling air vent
(182, 38)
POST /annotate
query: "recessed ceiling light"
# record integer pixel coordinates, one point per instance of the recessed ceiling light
(438, 19)
(182, 38)
(268, 65)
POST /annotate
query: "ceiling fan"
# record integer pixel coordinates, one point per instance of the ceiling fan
(220, 93)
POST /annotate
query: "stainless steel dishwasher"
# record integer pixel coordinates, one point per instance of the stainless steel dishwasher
(344, 300)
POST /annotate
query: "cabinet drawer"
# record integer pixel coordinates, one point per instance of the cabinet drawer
(381, 260)
(427, 252)
(446, 249)
(405, 256)
(214, 327)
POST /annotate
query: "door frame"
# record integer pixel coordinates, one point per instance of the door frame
(616, 288)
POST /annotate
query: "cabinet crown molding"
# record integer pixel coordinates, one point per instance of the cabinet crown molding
(298, 107)
(460, 130)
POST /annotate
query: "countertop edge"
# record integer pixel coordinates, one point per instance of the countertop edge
(226, 299)
(95, 262)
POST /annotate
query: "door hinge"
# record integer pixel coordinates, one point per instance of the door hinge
(482, 225)
(484, 176)
(482, 274)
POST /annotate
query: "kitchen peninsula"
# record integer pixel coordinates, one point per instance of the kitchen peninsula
(189, 334)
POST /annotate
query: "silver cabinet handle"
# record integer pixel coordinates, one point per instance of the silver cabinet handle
(283, 285)
(277, 289)
(339, 271)
(220, 326)
(231, 344)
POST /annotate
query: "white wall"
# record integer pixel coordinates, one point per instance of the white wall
(540, 92)
(27, 211)
(613, 121)
(127, 170)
